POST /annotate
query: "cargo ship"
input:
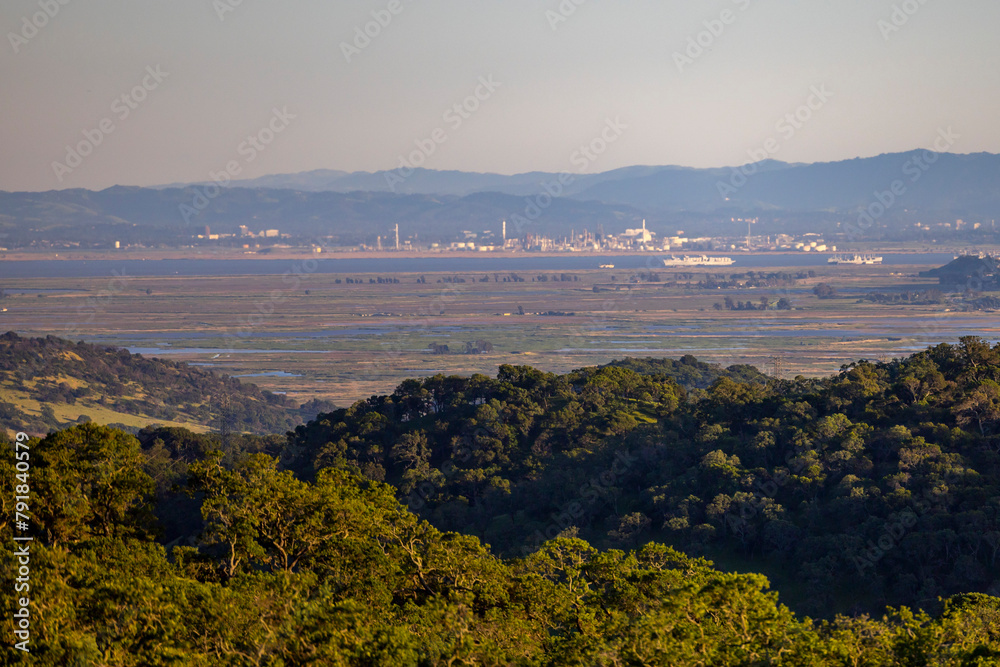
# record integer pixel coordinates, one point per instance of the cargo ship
(855, 259)
(701, 260)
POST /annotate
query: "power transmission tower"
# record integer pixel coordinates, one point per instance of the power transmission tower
(225, 418)
(778, 363)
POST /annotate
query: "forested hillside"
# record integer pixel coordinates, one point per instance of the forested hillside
(690, 373)
(48, 383)
(334, 571)
(878, 486)
(537, 519)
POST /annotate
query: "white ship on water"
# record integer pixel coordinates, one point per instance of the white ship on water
(855, 259)
(701, 260)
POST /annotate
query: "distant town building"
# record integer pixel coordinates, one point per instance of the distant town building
(638, 236)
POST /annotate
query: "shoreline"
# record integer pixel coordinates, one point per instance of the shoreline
(304, 253)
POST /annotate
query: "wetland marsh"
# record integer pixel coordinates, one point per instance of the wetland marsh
(320, 336)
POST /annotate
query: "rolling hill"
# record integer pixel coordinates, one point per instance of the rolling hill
(49, 383)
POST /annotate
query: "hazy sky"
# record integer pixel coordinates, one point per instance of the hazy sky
(560, 72)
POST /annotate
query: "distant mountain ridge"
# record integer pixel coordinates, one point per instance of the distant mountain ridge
(440, 205)
(459, 183)
(952, 181)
